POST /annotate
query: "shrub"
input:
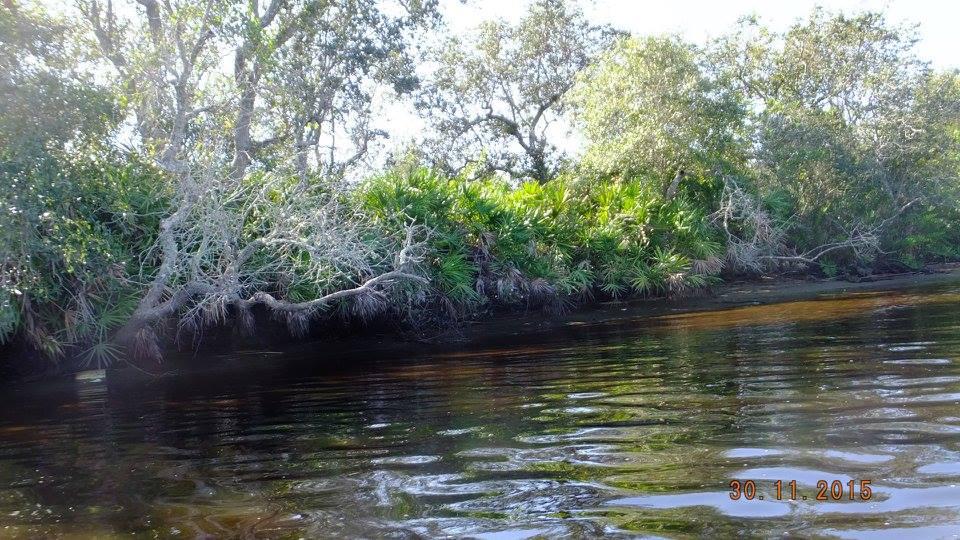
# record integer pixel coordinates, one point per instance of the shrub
(73, 230)
(496, 243)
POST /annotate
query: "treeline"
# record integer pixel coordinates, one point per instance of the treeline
(172, 166)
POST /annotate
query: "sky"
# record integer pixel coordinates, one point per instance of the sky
(699, 21)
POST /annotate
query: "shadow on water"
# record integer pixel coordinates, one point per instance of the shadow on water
(625, 427)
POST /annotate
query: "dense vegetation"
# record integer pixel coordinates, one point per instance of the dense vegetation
(151, 190)
(495, 242)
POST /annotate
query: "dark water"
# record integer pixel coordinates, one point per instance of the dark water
(634, 428)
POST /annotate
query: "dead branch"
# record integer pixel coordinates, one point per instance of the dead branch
(233, 245)
(755, 243)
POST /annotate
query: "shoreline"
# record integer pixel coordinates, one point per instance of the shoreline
(728, 295)
(472, 337)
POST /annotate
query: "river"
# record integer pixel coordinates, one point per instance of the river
(624, 428)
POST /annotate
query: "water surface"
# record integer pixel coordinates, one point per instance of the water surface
(627, 428)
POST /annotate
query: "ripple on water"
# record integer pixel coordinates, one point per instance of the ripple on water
(737, 453)
(405, 460)
(895, 533)
(718, 500)
(919, 361)
(857, 457)
(887, 499)
(460, 431)
(602, 430)
(951, 468)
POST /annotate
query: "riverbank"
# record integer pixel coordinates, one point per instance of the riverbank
(728, 302)
(506, 332)
(724, 297)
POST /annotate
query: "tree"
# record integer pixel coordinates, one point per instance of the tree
(301, 69)
(501, 91)
(850, 128)
(270, 242)
(62, 236)
(647, 107)
(315, 73)
(48, 98)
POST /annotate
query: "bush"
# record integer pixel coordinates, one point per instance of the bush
(496, 243)
(75, 227)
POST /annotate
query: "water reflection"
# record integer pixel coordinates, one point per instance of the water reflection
(614, 429)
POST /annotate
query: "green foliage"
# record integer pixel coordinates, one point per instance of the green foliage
(496, 243)
(494, 94)
(849, 129)
(75, 229)
(835, 126)
(47, 98)
(832, 131)
(648, 107)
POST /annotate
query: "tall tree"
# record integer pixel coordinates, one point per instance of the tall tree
(501, 91)
(849, 126)
(303, 73)
(648, 107)
(63, 233)
(320, 92)
(49, 99)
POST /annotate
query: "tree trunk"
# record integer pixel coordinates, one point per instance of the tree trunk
(674, 185)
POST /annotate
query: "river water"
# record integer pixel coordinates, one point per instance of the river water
(625, 428)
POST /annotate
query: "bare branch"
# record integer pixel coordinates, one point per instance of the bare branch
(755, 243)
(236, 245)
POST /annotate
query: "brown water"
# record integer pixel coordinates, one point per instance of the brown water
(630, 428)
